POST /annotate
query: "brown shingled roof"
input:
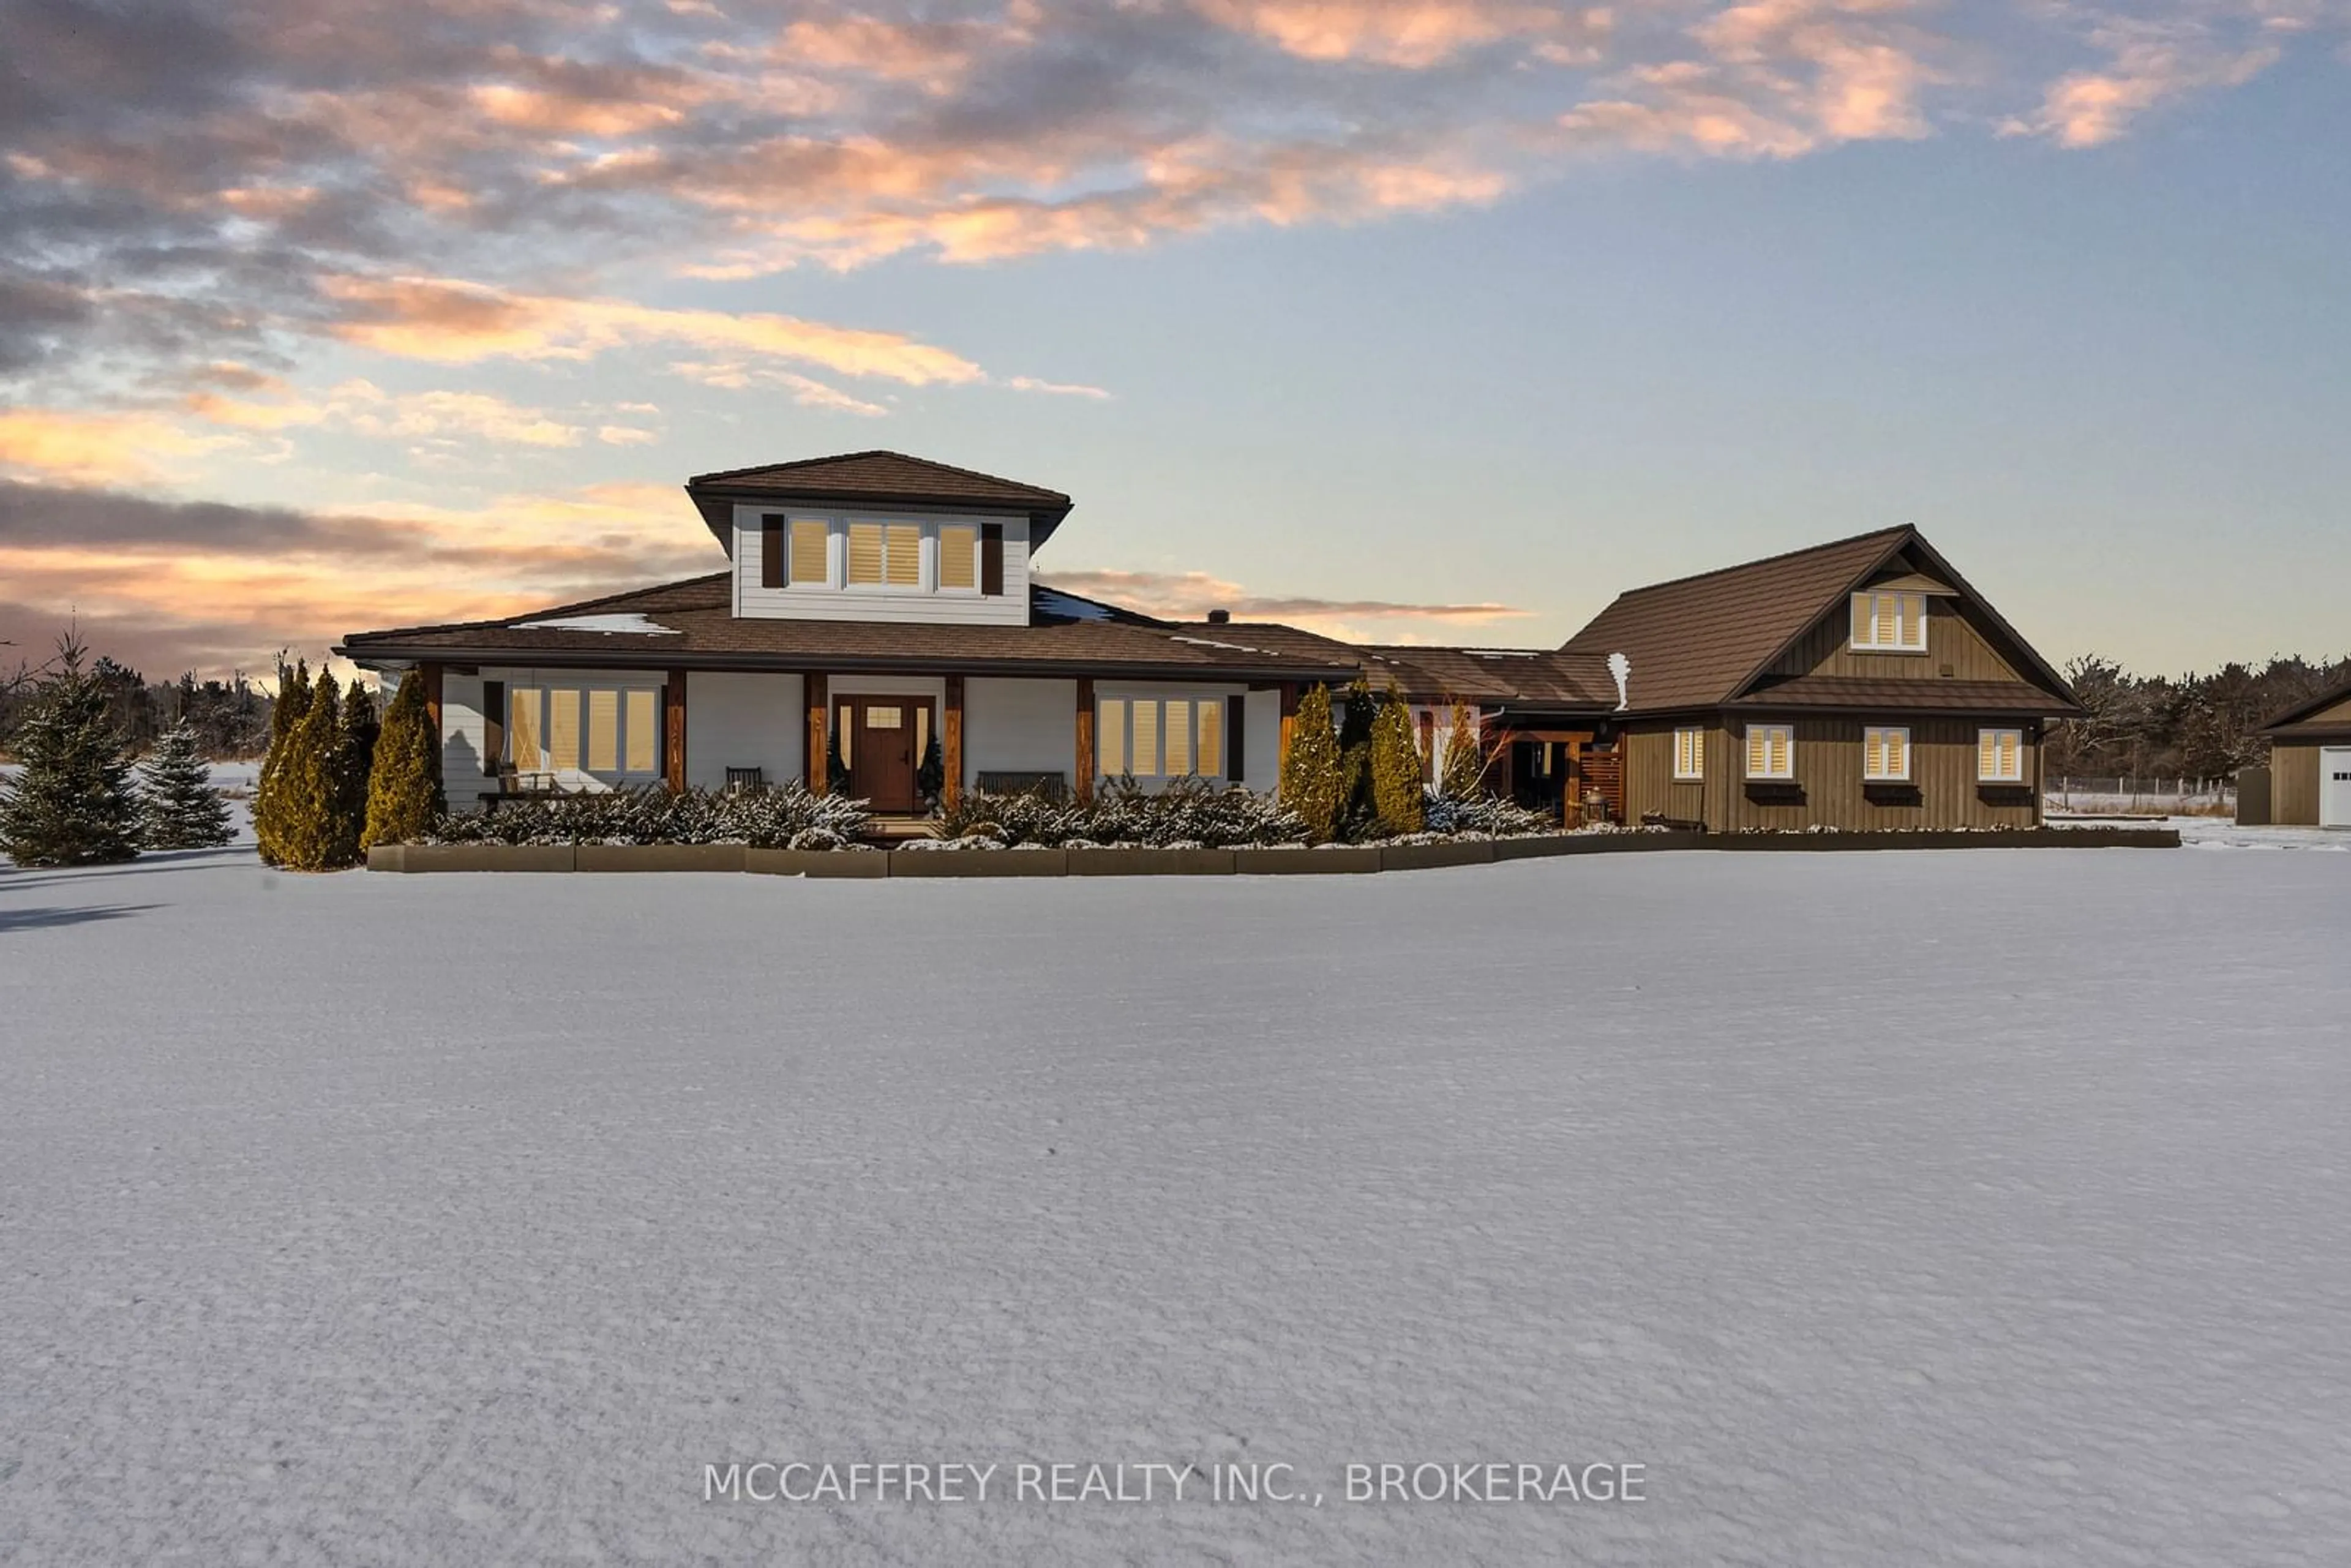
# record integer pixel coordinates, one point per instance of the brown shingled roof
(699, 629)
(1696, 640)
(877, 477)
(2315, 719)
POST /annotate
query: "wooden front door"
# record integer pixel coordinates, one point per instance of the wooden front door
(881, 740)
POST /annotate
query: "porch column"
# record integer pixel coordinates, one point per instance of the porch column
(951, 744)
(431, 674)
(1084, 781)
(1289, 724)
(819, 733)
(674, 709)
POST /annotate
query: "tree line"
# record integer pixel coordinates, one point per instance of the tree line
(2191, 725)
(229, 719)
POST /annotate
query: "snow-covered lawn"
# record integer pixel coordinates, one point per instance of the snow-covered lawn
(1982, 1207)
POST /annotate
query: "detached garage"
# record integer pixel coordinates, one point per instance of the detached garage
(2310, 762)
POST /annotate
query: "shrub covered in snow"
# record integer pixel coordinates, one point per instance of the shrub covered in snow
(785, 818)
(1485, 817)
(1187, 813)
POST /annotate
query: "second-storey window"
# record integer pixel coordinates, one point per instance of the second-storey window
(1690, 754)
(1889, 623)
(1771, 752)
(1886, 755)
(885, 555)
(958, 557)
(812, 565)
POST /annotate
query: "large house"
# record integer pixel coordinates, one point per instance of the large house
(878, 605)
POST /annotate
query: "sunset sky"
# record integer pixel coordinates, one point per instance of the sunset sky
(1436, 320)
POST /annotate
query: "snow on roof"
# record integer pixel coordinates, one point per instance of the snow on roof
(632, 624)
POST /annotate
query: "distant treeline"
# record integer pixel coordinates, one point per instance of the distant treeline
(2193, 726)
(230, 719)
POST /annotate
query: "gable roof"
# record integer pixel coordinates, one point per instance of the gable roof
(2313, 720)
(1705, 641)
(877, 477)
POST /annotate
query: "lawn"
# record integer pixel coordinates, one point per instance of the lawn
(1974, 1207)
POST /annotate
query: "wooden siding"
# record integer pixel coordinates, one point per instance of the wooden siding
(742, 721)
(753, 599)
(1828, 790)
(2294, 798)
(1952, 639)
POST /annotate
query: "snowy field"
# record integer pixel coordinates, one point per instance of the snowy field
(1977, 1209)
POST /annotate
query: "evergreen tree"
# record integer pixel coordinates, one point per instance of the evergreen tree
(1464, 775)
(404, 786)
(72, 804)
(286, 715)
(1311, 784)
(1359, 812)
(356, 733)
(305, 782)
(178, 807)
(1396, 789)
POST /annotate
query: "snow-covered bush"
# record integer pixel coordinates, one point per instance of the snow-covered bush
(1485, 817)
(1187, 814)
(178, 807)
(784, 818)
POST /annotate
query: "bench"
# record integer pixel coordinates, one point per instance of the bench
(1052, 785)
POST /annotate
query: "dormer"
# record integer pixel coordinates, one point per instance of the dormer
(878, 536)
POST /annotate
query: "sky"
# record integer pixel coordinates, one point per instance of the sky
(1413, 321)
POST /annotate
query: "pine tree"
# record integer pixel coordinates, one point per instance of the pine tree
(286, 713)
(1359, 811)
(1311, 784)
(306, 784)
(404, 786)
(1464, 775)
(72, 804)
(178, 807)
(1397, 788)
(356, 733)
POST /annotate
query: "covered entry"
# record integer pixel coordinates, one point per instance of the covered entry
(879, 741)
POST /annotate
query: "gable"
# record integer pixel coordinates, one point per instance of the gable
(1960, 639)
(2326, 713)
(876, 478)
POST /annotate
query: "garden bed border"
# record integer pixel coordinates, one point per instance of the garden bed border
(1353, 859)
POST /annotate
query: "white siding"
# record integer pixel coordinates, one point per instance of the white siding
(465, 771)
(744, 721)
(1019, 726)
(1263, 758)
(867, 603)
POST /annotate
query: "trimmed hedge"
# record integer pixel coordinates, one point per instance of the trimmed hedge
(1187, 814)
(788, 817)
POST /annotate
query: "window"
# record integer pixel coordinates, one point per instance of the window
(1109, 737)
(2000, 756)
(1179, 738)
(522, 729)
(904, 543)
(877, 718)
(1886, 755)
(1889, 623)
(865, 553)
(1771, 752)
(1144, 741)
(604, 730)
(958, 557)
(563, 730)
(609, 730)
(644, 726)
(810, 566)
(1209, 759)
(1690, 754)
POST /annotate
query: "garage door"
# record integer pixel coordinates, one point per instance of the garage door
(2335, 786)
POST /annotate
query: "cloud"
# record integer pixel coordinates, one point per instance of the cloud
(1189, 595)
(1409, 34)
(2150, 63)
(360, 406)
(93, 446)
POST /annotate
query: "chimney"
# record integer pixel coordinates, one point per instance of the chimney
(1219, 617)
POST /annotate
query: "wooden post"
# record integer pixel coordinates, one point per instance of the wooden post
(432, 674)
(675, 703)
(1084, 762)
(1288, 723)
(819, 733)
(951, 744)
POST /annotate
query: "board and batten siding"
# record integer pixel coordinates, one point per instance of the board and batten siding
(1828, 790)
(926, 606)
(2293, 785)
(744, 721)
(1952, 640)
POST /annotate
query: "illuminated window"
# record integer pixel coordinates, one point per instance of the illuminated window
(1211, 755)
(904, 544)
(810, 566)
(522, 729)
(603, 730)
(643, 724)
(1690, 754)
(1771, 752)
(959, 556)
(562, 730)
(1890, 623)
(885, 718)
(865, 553)
(1179, 738)
(2000, 756)
(1886, 755)
(1144, 742)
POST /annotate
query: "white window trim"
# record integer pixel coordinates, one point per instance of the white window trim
(543, 687)
(836, 582)
(1158, 699)
(1870, 644)
(1698, 747)
(1984, 778)
(1748, 738)
(1869, 778)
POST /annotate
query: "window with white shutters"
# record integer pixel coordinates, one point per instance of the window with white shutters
(2000, 756)
(1886, 755)
(1771, 752)
(1889, 623)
